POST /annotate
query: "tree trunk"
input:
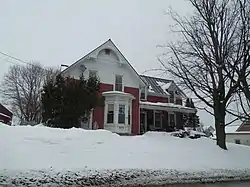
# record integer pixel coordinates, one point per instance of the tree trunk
(220, 115)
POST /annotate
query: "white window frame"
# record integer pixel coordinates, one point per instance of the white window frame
(121, 84)
(125, 112)
(108, 111)
(145, 94)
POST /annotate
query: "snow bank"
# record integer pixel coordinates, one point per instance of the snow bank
(57, 156)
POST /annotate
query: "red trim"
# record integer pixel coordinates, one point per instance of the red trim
(98, 113)
(135, 109)
(155, 99)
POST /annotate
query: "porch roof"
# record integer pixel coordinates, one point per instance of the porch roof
(170, 107)
(118, 93)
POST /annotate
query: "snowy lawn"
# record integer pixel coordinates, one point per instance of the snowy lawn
(34, 155)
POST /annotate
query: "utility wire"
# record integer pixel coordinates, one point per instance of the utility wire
(15, 58)
(19, 60)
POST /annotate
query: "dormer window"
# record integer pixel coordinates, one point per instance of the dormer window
(171, 96)
(143, 94)
(107, 51)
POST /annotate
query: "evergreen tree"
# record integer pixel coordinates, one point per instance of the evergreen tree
(69, 100)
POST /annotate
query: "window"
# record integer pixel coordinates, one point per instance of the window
(107, 51)
(129, 116)
(118, 83)
(110, 115)
(121, 115)
(237, 141)
(157, 119)
(92, 73)
(178, 101)
(171, 120)
(143, 94)
(171, 96)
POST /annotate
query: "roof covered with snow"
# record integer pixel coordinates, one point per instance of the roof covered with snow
(166, 106)
(157, 85)
(161, 87)
(231, 128)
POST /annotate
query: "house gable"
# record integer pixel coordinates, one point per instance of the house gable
(107, 61)
(245, 126)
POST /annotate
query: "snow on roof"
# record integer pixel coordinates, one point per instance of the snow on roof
(231, 128)
(6, 107)
(171, 105)
(117, 93)
(155, 87)
(164, 86)
(150, 89)
(2, 114)
(239, 132)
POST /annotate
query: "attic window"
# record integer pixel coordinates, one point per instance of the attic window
(107, 51)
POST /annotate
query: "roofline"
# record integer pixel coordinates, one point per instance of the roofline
(99, 47)
(7, 109)
(128, 63)
(150, 76)
(4, 115)
(172, 82)
(72, 65)
(242, 124)
(239, 132)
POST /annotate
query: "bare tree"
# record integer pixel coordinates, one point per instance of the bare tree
(205, 57)
(21, 89)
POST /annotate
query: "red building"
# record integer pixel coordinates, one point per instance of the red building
(133, 103)
(5, 115)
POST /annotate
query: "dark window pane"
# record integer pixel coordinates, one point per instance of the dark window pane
(157, 120)
(118, 87)
(129, 115)
(143, 95)
(237, 141)
(107, 51)
(121, 115)
(178, 101)
(110, 115)
(172, 120)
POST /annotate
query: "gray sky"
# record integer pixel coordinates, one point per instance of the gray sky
(53, 32)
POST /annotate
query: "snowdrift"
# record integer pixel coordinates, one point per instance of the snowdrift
(34, 155)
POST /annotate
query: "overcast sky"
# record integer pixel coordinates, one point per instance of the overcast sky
(55, 32)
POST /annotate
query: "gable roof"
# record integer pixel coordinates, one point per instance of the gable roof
(5, 111)
(112, 43)
(245, 126)
(154, 87)
(159, 86)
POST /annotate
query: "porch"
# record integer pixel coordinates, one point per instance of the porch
(162, 116)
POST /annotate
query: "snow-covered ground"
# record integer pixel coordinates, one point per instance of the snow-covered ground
(32, 155)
